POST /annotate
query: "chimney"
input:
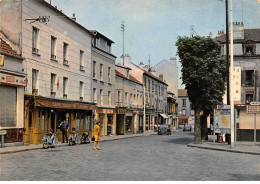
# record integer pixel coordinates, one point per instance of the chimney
(55, 7)
(73, 17)
(161, 77)
(220, 33)
(173, 60)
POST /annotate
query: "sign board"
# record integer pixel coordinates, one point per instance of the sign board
(254, 103)
(222, 120)
(2, 132)
(253, 109)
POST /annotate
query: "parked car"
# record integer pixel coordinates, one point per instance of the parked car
(187, 128)
(164, 129)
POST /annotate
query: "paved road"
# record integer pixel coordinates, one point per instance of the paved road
(141, 158)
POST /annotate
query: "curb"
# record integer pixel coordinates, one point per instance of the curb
(226, 150)
(64, 144)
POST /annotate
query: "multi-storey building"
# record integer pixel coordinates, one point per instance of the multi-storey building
(12, 83)
(57, 52)
(129, 100)
(155, 94)
(103, 73)
(246, 76)
(185, 113)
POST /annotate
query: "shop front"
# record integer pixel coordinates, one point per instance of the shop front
(43, 115)
(120, 120)
(140, 117)
(12, 106)
(106, 117)
(149, 119)
(129, 124)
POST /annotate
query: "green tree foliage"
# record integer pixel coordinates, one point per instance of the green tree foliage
(203, 73)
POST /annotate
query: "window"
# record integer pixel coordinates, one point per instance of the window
(101, 71)
(65, 54)
(81, 58)
(35, 38)
(34, 79)
(192, 113)
(156, 89)
(53, 83)
(152, 86)
(109, 74)
(184, 102)
(65, 86)
(126, 98)
(130, 99)
(249, 78)
(109, 98)
(81, 90)
(53, 47)
(97, 42)
(127, 74)
(94, 95)
(119, 97)
(249, 98)
(145, 84)
(149, 85)
(101, 97)
(249, 50)
(108, 47)
(94, 69)
(183, 112)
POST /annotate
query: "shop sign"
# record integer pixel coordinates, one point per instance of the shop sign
(63, 105)
(105, 111)
(121, 111)
(3, 132)
(12, 80)
(253, 109)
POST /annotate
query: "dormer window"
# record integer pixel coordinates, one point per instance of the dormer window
(249, 50)
(97, 42)
(108, 47)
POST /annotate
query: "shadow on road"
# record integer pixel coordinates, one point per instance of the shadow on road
(246, 177)
(181, 140)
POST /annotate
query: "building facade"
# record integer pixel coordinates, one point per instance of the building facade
(57, 61)
(103, 85)
(246, 77)
(12, 83)
(185, 113)
(155, 94)
(129, 100)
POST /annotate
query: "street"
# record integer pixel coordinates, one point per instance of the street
(142, 158)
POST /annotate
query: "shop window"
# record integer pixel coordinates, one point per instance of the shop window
(87, 122)
(41, 125)
(80, 120)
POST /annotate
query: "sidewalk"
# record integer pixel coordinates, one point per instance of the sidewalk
(13, 149)
(240, 147)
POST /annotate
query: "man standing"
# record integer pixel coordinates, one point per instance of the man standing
(64, 128)
(96, 133)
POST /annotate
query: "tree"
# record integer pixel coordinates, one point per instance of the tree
(204, 75)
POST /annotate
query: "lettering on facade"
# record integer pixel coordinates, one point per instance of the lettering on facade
(253, 109)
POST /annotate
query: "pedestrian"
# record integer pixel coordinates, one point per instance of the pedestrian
(96, 136)
(211, 129)
(64, 128)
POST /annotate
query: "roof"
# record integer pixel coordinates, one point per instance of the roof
(131, 78)
(98, 33)
(6, 49)
(182, 92)
(122, 66)
(153, 76)
(249, 35)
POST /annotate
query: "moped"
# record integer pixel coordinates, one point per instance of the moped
(50, 140)
(85, 138)
(74, 139)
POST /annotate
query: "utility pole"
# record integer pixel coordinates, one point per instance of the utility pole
(149, 61)
(227, 53)
(144, 120)
(232, 124)
(123, 31)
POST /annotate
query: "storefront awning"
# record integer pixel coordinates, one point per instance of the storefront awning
(164, 115)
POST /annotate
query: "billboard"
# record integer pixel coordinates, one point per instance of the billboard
(222, 120)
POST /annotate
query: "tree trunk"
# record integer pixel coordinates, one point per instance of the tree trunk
(204, 128)
(197, 128)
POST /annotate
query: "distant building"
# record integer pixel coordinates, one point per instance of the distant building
(103, 84)
(185, 113)
(246, 77)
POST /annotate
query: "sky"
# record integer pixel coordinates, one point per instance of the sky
(152, 26)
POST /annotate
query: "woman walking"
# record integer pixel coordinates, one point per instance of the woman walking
(96, 136)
